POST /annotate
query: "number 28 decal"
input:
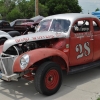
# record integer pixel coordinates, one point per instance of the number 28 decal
(83, 51)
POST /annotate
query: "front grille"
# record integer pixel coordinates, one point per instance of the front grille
(6, 65)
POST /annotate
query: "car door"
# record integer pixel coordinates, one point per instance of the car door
(96, 44)
(81, 42)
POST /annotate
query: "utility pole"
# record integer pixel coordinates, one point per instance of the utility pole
(36, 8)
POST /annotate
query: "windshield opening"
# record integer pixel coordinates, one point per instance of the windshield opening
(57, 25)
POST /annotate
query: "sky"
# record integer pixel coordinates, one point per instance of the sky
(89, 5)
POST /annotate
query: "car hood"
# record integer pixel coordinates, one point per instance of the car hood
(33, 37)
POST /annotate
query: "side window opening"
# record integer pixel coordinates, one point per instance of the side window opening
(82, 26)
(95, 26)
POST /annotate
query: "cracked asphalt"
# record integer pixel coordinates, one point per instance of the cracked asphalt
(79, 86)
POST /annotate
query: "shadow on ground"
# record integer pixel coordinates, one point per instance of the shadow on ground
(25, 90)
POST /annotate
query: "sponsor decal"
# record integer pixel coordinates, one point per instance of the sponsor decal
(21, 40)
(85, 34)
(33, 38)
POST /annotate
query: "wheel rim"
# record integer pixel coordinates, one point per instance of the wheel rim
(51, 79)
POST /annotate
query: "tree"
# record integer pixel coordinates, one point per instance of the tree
(14, 14)
(6, 7)
(27, 8)
(97, 9)
(43, 10)
(64, 6)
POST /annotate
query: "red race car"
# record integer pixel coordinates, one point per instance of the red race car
(69, 42)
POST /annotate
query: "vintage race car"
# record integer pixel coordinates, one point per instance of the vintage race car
(69, 42)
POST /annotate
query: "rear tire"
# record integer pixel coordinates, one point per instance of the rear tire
(48, 78)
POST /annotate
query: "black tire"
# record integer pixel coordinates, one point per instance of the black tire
(48, 78)
(2, 40)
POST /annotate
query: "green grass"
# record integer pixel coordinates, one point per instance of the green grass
(98, 98)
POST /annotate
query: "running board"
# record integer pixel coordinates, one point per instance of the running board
(84, 67)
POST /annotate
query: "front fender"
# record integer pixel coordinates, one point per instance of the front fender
(39, 54)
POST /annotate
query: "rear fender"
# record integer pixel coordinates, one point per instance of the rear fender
(39, 54)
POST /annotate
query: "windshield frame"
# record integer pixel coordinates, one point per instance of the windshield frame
(50, 22)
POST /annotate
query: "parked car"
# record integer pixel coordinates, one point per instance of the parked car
(7, 35)
(33, 25)
(3, 37)
(69, 42)
(21, 25)
(30, 26)
(6, 30)
(37, 19)
(5, 26)
(17, 24)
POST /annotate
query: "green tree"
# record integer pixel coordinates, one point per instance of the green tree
(27, 8)
(64, 6)
(14, 9)
(14, 14)
(43, 10)
(97, 9)
(23, 6)
(5, 7)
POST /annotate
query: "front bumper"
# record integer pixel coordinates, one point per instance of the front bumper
(13, 77)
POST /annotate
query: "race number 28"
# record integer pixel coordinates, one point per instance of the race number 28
(83, 50)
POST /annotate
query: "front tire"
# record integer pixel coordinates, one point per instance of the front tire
(48, 78)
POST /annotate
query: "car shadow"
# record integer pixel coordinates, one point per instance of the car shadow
(24, 89)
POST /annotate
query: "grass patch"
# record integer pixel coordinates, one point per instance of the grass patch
(98, 98)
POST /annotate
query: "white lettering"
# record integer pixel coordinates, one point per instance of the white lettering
(87, 49)
(82, 52)
(79, 49)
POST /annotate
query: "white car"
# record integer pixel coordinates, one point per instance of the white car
(4, 36)
(7, 35)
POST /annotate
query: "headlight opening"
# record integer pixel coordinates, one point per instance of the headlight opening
(24, 61)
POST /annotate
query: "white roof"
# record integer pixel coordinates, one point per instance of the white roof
(70, 16)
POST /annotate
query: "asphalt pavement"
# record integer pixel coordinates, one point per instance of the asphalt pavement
(79, 86)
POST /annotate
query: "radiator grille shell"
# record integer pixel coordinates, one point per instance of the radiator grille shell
(6, 64)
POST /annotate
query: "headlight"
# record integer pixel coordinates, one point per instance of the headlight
(24, 61)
